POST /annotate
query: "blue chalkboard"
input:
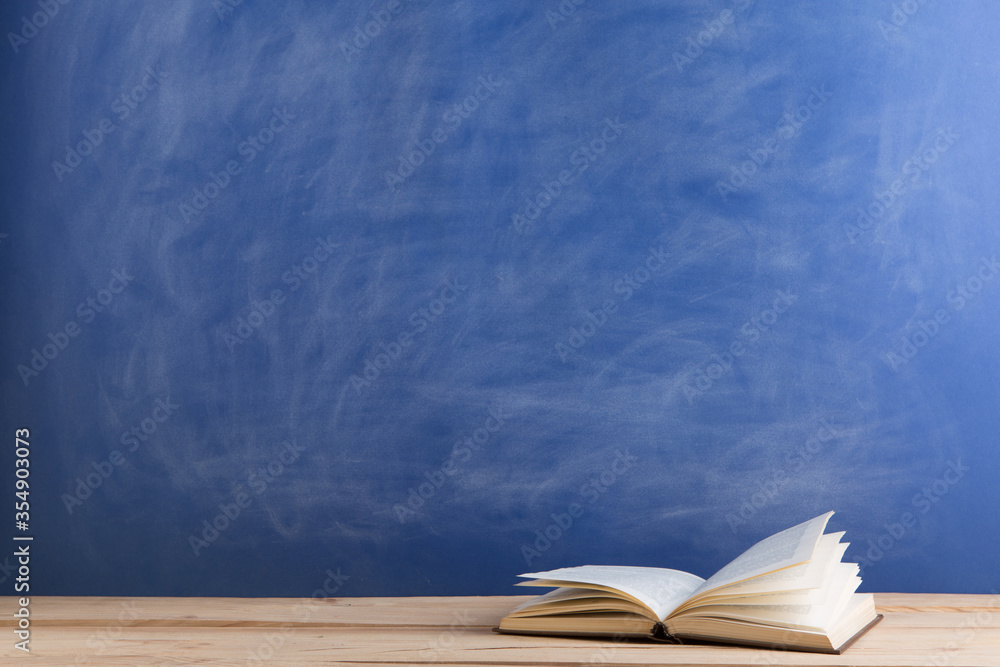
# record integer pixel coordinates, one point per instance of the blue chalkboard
(406, 297)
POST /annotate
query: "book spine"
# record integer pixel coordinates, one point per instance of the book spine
(660, 633)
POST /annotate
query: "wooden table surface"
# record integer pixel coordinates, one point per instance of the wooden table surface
(924, 630)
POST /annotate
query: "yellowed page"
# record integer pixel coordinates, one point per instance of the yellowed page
(790, 547)
(659, 589)
(798, 578)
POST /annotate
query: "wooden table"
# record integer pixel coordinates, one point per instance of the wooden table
(946, 630)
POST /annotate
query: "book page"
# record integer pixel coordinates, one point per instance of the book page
(584, 600)
(660, 589)
(785, 549)
(808, 575)
(562, 594)
(813, 596)
(819, 614)
(817, 609)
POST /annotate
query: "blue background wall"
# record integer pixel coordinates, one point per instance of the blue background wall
(500, 287)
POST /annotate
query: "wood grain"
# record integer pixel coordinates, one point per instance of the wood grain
(918, 630)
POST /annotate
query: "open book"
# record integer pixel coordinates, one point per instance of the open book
(790, 590)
